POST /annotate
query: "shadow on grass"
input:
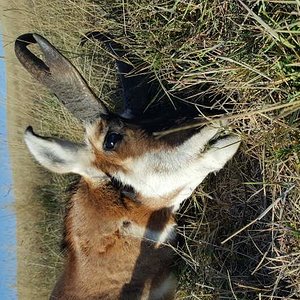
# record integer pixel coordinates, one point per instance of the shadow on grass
(150, 254)
(241, 268)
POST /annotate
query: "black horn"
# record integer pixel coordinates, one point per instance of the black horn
(60, 76)
(139, 90)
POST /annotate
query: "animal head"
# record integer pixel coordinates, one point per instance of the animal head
(162, 172)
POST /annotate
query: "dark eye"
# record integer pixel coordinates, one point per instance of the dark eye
(111, 139)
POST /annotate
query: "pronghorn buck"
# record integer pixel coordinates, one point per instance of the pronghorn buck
(121, 215)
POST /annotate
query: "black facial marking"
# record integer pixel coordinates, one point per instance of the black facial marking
(129, 192)
(126, 191)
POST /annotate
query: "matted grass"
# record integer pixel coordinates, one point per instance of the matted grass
(240, 232)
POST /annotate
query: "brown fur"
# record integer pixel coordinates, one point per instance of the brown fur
(135, 143)
(103, 262)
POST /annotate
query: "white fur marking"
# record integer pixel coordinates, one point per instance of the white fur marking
(157, 174)
(167, 235)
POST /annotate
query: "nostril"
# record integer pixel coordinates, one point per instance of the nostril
(126, 223)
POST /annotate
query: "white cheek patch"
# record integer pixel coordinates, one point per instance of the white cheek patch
(156, 175)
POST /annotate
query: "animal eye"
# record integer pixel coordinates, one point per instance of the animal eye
(111, 139)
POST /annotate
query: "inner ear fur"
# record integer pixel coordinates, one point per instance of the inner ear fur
(59, 156)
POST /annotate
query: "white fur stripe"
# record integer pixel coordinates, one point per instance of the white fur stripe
(168, 234)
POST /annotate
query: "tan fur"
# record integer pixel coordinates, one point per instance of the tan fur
(135, 143)
(161, 173)
(104, 263)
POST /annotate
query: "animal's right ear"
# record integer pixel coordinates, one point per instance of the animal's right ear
(61, 156)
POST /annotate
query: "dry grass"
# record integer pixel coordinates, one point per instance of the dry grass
(248, 51)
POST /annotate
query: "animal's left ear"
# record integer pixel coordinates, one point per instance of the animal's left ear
(60, 156)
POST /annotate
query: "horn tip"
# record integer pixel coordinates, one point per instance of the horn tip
(29, 130)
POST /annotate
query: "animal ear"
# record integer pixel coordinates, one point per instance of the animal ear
(59, 156)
